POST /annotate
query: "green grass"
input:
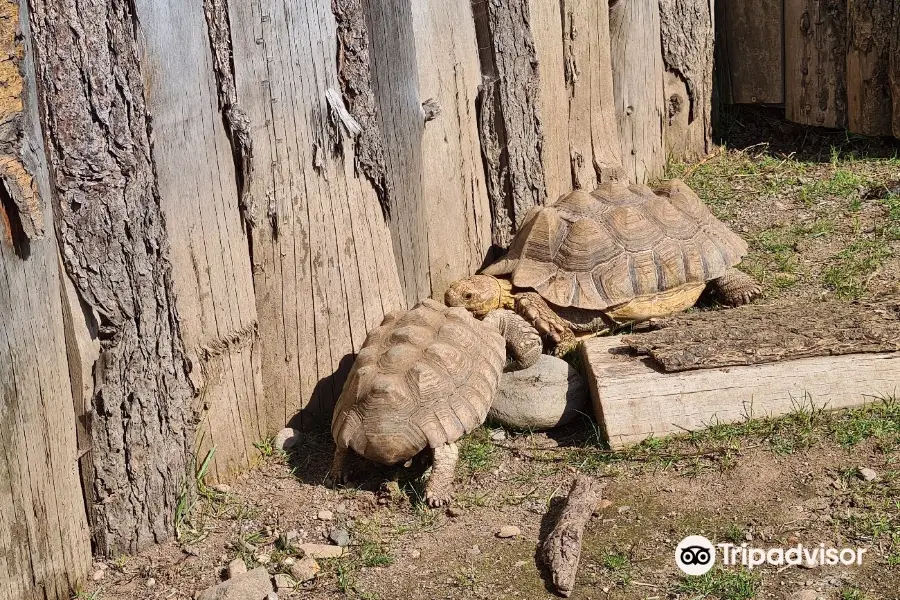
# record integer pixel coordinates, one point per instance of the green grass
(95, 595)
(721, 583)
(477, 453)
(852, 593)
(618, 566)
(849, 269)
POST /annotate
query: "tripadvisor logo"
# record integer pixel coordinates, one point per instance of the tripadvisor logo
(696, 555)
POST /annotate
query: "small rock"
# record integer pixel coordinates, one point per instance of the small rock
(804, 595)
(191, 550)
(236, 567)
(623, 509)
(414, 554)
(271, 596)
(98, 574)
(606, 590)
(252, 584)
(867, 474)
(305, 569)
(546, 395)
(286, 439)
(748, 536)
(222, 488)
(263, 559)
(454, 511)
(498, 435)
(288, 539)
(100, 565)
(288, 561)
(325, 515)
(284, 582)
(339, 537)
(341, 508)
(151, 582)
(509, 531)
(520, 563)
(474, 550)
(321, 550)
(603, 505)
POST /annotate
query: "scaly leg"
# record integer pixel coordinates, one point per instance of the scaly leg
(534, 309)
(736, 287)
(339, 472)
(439, 488)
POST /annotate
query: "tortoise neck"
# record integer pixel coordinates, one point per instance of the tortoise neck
(506, 299)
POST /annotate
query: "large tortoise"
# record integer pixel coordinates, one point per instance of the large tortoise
(424, 378)
(616, 255)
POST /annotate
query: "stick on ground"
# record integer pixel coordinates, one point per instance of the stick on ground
(561, 550)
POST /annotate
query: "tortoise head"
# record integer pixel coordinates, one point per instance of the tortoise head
(479, 294)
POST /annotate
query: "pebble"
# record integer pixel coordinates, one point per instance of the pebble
(288, 561)
(474, 550)
(263, 559)
(325, 515)
(867, 474)
(151, 582)
(98, 574)
(288, 538)
(339, 537)
(321, 550)
(236, 567)
(286, 439)
(509, 531)
(305, 569)
(498, 435)
(623, 509)
(454, 511)
(271, 596)
(521, 563)
(252, 584)
(748, 536)
(284, 582)
(222, 488)
(414, 554)
(804, 595)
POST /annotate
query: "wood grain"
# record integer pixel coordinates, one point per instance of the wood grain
(894, 73)
(765, 333)
(869, 109)
(815, 49)
(323, 258)
(638, 86)
(750, 51)
(454, 189)
(199, 195)
(634, 401)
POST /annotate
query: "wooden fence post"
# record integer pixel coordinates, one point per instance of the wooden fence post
(750, 51)
(46, 551)
(869, 25)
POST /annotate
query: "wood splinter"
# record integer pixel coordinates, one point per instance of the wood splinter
(561, 551)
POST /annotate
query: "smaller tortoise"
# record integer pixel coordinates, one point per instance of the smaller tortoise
(424, 378)
(617, 255)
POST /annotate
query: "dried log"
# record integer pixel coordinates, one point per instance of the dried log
(770, 333)
(561, 551)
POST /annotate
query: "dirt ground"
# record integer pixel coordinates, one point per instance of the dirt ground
(821, 211)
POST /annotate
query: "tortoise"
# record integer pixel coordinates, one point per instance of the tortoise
(620, 254)
(424, 378)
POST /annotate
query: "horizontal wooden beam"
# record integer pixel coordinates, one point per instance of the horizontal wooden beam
(634, 400)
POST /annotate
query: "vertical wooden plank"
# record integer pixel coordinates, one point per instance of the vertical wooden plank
(594, 152)
(750, 40)
(546, 23)
(638, 85)
(815, 49)
(869, 24)
(209, 251)
(894, 66)
(688, 33)
(323, 257)
(43, 527)
(455, 196)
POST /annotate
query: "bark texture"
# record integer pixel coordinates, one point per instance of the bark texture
(750, 51)
(561, 551)
(769, 333)
(115, 249)
(45, 549)
(688, 34)
(509, 118)
(869, 23)
(894, 66)
(815, 49)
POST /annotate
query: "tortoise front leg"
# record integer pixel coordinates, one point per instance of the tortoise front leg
(736, 287)
(534, 309)
(339, 472)
(439, 489)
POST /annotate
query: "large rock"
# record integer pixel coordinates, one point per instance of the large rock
(546, 395)
(252, 585)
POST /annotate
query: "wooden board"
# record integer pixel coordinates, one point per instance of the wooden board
(45, 550)
(638, 87)
(688, 33)
(634, 401)
(761, 333)
(869, 109)
(815, 48)
(210, 255)
(750, 49)
(323, 257)
(894, 68)
(454, 191)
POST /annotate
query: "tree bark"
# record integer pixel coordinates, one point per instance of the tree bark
(815, 49)
(43, 526)
(869, 24)
(638, 84)
(115, 250)
(688, 35)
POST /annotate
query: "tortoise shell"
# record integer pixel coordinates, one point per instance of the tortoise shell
(424, 377)
(604, 248)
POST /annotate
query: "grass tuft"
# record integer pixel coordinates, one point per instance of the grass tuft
(721, 583)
